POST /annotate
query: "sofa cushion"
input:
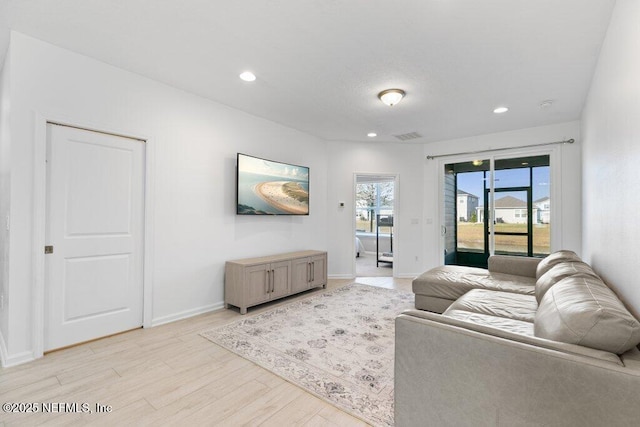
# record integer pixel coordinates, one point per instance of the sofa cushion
(555, 258)
(512, 264)
(502, 323)
(498, 304)
(558, 272)
(581, 309)
(451, 282)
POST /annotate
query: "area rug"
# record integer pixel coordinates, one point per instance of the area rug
(338, 345)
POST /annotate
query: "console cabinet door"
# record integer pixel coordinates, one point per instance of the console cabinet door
(280, 278)
(300, 274)
(318, 270)
(257, 284)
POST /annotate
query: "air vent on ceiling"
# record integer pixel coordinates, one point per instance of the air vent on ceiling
(408, 136)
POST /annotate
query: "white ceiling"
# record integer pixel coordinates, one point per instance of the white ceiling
(321, 63)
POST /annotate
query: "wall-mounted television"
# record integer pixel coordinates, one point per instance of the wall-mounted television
(265, 187)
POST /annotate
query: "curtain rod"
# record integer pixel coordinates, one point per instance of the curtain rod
(568, 141)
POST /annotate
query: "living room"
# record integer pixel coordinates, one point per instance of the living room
(192, 143)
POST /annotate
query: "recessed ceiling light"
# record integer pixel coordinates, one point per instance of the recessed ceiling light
(248, 76)
(372, 134)
(501, 110)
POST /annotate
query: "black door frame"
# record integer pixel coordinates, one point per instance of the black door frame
(529, 233)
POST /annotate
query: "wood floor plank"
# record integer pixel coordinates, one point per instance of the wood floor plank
(339, 417)
(297, 413)
(129, 415)
(168, 375)
(260, 409)
(227, 405)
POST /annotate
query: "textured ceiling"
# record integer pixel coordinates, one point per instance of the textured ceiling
(321, 63)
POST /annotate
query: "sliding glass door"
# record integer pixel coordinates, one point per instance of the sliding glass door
(465, 232)
(502, 206)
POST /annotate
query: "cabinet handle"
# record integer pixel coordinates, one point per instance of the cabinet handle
(273, 281)
(267, 281)
(313, 271)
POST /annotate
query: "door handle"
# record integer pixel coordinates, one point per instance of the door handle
(443, 230)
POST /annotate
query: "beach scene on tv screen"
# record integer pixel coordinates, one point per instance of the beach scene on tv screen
(271, 188)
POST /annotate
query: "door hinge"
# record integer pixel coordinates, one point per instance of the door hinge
(48, 249)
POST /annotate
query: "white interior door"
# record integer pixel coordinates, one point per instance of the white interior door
(95, 223)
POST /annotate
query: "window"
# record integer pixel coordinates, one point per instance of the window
(521, 209)
(372, 199)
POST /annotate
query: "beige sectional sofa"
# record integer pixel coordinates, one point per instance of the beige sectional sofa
(526, 342)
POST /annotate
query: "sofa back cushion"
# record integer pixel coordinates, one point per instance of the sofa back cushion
(558, 272)
(581, 309)
(555, 258)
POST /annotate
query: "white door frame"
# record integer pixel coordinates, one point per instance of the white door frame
(555, 193)
(39, 219)
(396, 228)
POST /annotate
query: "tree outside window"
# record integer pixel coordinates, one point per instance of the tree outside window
(372, 199)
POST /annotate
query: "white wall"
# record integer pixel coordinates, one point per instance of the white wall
(349, 158)
(566, 229)
(5, 153)
(611, 157)
(194, 143)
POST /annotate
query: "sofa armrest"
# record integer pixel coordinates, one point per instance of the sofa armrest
(447, 374)
(516, 265)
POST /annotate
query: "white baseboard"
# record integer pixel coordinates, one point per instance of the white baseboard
(407, 276)
(186, 314)
(17, 359)
(341, 276)
(349, 276)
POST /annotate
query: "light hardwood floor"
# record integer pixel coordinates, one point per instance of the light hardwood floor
(169, 375)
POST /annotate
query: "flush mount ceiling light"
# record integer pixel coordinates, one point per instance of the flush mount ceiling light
(372, 134)
(248, 76)
(391, 97)
(501, 110)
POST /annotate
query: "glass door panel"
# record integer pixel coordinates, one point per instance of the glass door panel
(542, 211)
(516, 223)
(506, 178)
(448, 230)
(511, 245)
(470, 227)
(512, 220)
(465, 236)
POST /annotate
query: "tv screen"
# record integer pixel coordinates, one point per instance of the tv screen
(265, 187)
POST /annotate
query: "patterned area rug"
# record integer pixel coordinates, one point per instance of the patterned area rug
(338, 345)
